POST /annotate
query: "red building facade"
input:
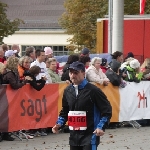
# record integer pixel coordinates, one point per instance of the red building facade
(136, 37)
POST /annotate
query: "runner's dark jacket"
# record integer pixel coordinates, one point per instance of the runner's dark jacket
(98, 111)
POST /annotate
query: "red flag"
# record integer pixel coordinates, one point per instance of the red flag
(142, 6)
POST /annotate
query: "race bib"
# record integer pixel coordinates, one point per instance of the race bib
(77, 120)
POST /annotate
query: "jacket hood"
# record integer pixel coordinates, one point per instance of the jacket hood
(115, 65)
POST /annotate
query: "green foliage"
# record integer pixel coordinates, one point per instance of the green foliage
(147, 7)
(81, 16)
(80, 20)
(7, 27)
(132, 7)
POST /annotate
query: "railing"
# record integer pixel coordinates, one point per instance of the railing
(27, 108)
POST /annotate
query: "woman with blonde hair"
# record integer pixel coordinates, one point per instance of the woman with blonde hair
(24, 65)
(2, 67)
(145, 69)
(2, 70)
(95, 74)
(11, 75)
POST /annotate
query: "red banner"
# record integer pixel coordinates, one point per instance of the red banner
(3, 109)
(27, 108)
(31, 109)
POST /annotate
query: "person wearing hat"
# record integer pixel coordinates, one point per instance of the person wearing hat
(85, 52)
(15, 47)
(104, 65)
(48, 52)
(86, 108)
(129, 55)
(10, 53)
(114, 74)
(132, 71)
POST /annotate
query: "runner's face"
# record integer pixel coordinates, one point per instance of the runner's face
(76, 76)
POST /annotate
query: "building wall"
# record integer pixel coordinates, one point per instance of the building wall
(38, 38)
(136, 37)
(147, 39)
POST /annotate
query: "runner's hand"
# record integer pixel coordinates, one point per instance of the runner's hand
(99, 132)
(67, 81)
(55, 128)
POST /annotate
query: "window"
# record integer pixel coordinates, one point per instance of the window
(55, 48)
(61, 48)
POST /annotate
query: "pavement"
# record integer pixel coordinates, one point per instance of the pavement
(114, 139)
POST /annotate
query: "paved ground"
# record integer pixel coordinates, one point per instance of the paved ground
(114, 139)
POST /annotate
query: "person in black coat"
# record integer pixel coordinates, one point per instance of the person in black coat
(32, 73)
(86, 108)
(38, 85)
(114, 74)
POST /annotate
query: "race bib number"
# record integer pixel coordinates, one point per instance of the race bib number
(77, 120)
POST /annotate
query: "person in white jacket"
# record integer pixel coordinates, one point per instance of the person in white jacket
(40, 57)
(95, 74)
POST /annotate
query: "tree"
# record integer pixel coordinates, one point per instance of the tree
(80, 20)
(133, 7)
(7, 27)
(81, 16)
